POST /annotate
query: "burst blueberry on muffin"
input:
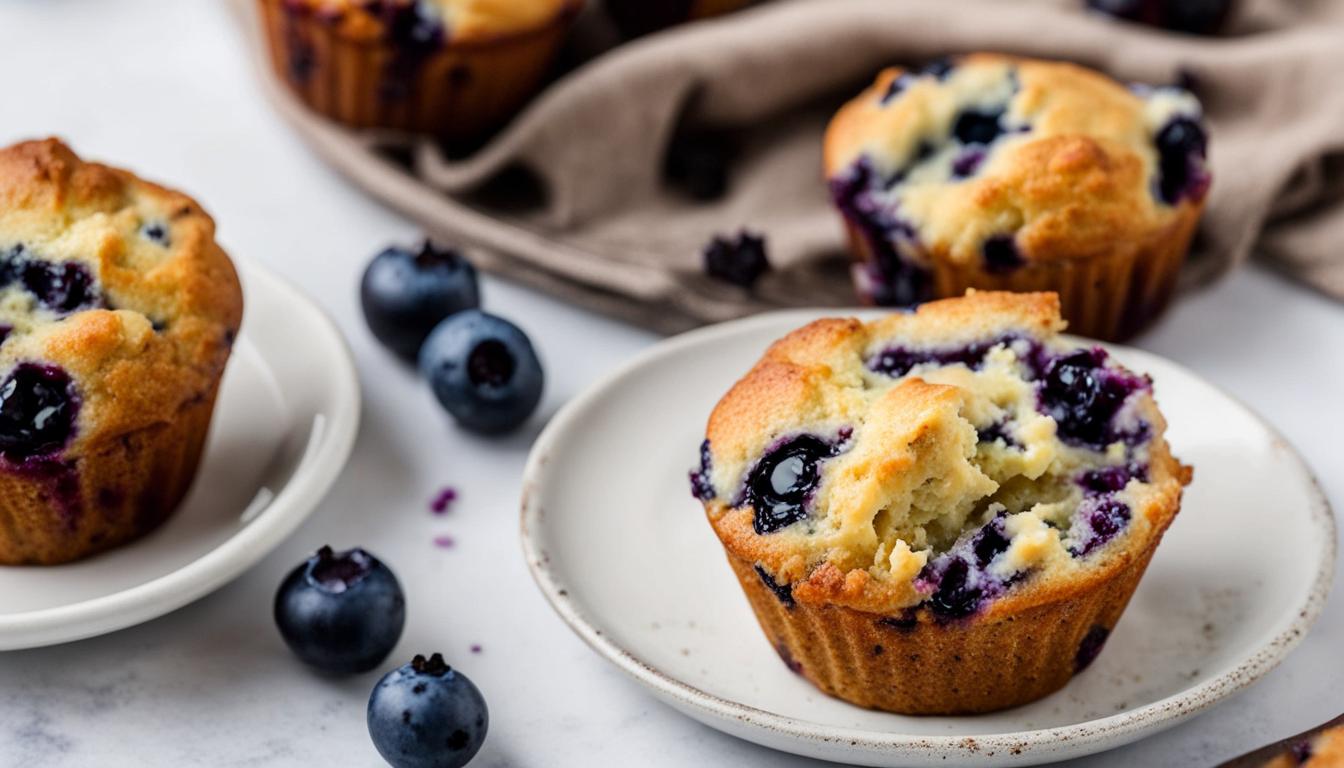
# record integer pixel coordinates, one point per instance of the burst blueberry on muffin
(454, 69)
(1001, 173)
(118, 312)
(640, 17)
(939, 512)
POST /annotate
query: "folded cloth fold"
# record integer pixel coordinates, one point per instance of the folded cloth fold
(574, 196)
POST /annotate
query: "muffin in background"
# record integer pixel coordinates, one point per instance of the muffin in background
(118, 312)
(1002, 173)
(640, 17)
(452, 69)
(956, 485)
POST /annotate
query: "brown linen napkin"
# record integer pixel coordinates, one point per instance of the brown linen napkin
(572, 197)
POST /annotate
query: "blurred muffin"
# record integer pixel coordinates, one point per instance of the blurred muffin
(1011, 174)
(117, 314)
(957, 485)
(454, 69)
(640, 17)
(1321, 747)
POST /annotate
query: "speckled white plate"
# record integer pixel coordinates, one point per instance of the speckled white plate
(626, 558)
(284, 424)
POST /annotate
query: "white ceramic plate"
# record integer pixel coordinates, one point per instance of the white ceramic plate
(284, 424)
(625, 556)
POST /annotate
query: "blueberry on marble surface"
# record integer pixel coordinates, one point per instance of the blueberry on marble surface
(1200, 17)
(427, 715)
(38, 406)
(405, 293)
(739, 259)
(482, 368)
(341, 612)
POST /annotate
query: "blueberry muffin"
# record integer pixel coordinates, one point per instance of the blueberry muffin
(957, 486)
(1321, 747)
(1001, 173)
(640, 17)
(454, 69)
(117, 313)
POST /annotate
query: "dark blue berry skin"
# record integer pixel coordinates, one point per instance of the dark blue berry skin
(38, 406)
(974, 127)
(341, 612)
(701, 487)
(406, 293)
(483, 369)
(1182, 146)
(62, 287)
(427, 715)
(781, 484)
(740, 260)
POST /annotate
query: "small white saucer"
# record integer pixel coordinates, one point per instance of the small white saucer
(624, 554)
(284, 424)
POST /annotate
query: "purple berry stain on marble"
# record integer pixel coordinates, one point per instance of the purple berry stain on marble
(1090, 647)
(782, 591)
(476, 648)
(443, 541)
(442, 500)
(739, 259)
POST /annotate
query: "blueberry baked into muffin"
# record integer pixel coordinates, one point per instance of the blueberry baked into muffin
(1321, 747)
(1002, 173)
(640, 17)
(943, 511)
(117, 313)
(454, 69)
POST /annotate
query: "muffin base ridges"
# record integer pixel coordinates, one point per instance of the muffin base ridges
(1108, 296)
(56, 511)
(987, 662)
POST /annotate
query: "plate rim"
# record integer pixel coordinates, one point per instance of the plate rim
(1075, 739)
(291, 506)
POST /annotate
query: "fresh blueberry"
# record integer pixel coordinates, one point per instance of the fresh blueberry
(1200, 17)
(427, 715)
(780, 485)
(1182, 146)
(340, 611)
(740, 260)
(483, 369)
(406, 293)
(38, 406)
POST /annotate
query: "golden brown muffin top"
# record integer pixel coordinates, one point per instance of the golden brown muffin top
(860, 462)
(1058, 160)
(118, 306)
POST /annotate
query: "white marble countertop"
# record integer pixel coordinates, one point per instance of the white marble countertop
(165, 88)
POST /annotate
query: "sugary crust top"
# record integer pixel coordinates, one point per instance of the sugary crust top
(903, 486)
(465, 21)
(1071, 175)
(128, 375)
